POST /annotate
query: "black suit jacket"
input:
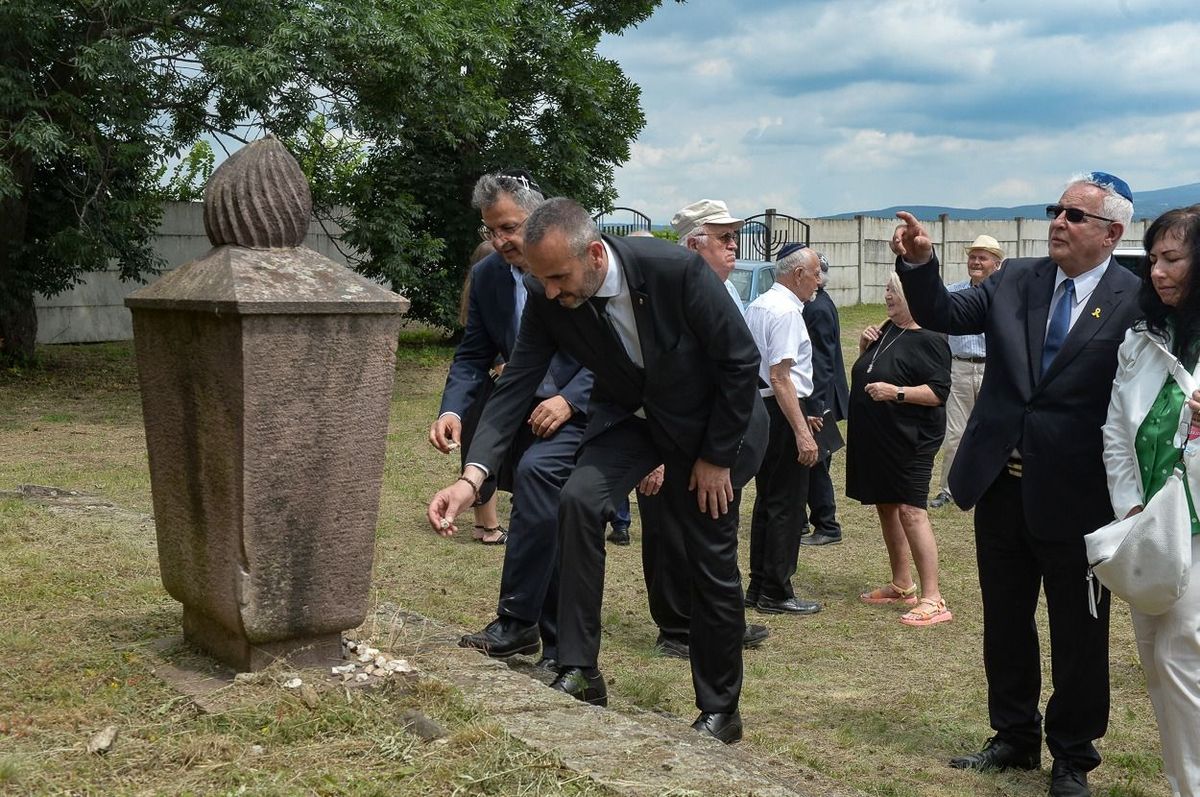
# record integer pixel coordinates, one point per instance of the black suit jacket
(491, 333)
(830, 391)
(700, 382)
(1053, 420)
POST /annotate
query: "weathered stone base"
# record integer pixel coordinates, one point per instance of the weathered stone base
(233, 649)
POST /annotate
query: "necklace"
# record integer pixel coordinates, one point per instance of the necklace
(881, 348)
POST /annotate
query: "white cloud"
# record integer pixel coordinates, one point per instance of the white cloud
(816, 107)
(712, 67)
(1012, 191)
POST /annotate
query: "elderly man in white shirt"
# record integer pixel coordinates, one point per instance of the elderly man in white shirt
(706, 228)
(776, 323)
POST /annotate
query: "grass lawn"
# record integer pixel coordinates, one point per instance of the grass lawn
(849, 692)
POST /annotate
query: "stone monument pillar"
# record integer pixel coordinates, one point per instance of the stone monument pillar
(266, 373)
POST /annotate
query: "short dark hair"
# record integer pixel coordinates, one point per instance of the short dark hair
(1184, 318)
(567, 216)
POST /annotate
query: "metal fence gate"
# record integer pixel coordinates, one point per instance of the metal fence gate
(765, 234)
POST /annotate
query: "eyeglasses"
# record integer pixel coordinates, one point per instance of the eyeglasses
(725, 238)
(1074, 215)
(503, 231)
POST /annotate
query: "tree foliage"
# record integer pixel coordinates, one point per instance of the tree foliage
(395, 107)
(189, 176)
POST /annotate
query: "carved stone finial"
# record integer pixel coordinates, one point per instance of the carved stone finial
(258, 198)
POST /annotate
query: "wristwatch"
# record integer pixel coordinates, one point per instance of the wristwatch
(900, 394)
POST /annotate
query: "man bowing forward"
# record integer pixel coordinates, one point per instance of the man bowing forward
(675, 383)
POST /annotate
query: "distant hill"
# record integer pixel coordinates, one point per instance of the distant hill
(1147, 205)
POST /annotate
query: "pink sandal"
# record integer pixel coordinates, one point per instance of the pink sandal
(890, 594)
(927, 612)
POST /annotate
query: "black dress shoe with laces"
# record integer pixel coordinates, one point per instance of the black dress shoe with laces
(1067, 781)
(671, 648)
(787, 606)
(675, 649)
(822, 538)
(581, 686)
(619, 535)
(755, 635)
(725, 728)
(504, 637)
(999, 755)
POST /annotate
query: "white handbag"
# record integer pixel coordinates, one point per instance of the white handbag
(1146, 559)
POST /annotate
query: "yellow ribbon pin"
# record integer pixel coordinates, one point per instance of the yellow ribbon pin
(1096, 313)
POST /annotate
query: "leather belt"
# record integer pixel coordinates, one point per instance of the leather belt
(976, 360)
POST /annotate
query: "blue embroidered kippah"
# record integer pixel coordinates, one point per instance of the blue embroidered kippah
(1111, 181)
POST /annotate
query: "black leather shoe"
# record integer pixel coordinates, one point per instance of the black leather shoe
(504, 637)
(788, 606)
(940, 500)
(547, 664)
(998, 754)
(725, 728)
(671, 648)
(749, 601)
(575, 683)
(821, 538)
(619, 535)
(755, 635)
(1067, 781)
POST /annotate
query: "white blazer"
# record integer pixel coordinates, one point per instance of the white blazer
(1143, 366)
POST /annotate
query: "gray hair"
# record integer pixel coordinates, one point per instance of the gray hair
(567, 216)
(786, 265)
(896, 285)
(1116, 207)
(490, 187)
(696, 231)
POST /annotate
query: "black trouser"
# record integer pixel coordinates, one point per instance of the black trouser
(668, 587)
(782, 489)
(529, 581)
(822, 502)
(1012, 566)
(608, 467)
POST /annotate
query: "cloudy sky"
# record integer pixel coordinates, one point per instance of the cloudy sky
(817, 107)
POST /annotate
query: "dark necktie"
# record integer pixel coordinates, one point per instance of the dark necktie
(627, 391)
(1060, 324)
(600, 305)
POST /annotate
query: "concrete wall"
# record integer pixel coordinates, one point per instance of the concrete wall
(94, 310)
(859, 257)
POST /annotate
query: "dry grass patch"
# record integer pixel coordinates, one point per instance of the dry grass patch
(849, 692)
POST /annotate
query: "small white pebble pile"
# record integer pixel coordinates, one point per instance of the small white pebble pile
(370, 663)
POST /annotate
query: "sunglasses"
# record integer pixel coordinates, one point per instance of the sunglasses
(725, 238)
(1074, 215)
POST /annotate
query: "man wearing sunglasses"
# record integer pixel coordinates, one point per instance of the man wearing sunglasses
(1030, 462)
(706, 228)
(543, 454)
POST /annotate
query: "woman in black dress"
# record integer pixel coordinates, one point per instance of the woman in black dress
(897, 420)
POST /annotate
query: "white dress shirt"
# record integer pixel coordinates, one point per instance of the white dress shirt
(776, 321)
